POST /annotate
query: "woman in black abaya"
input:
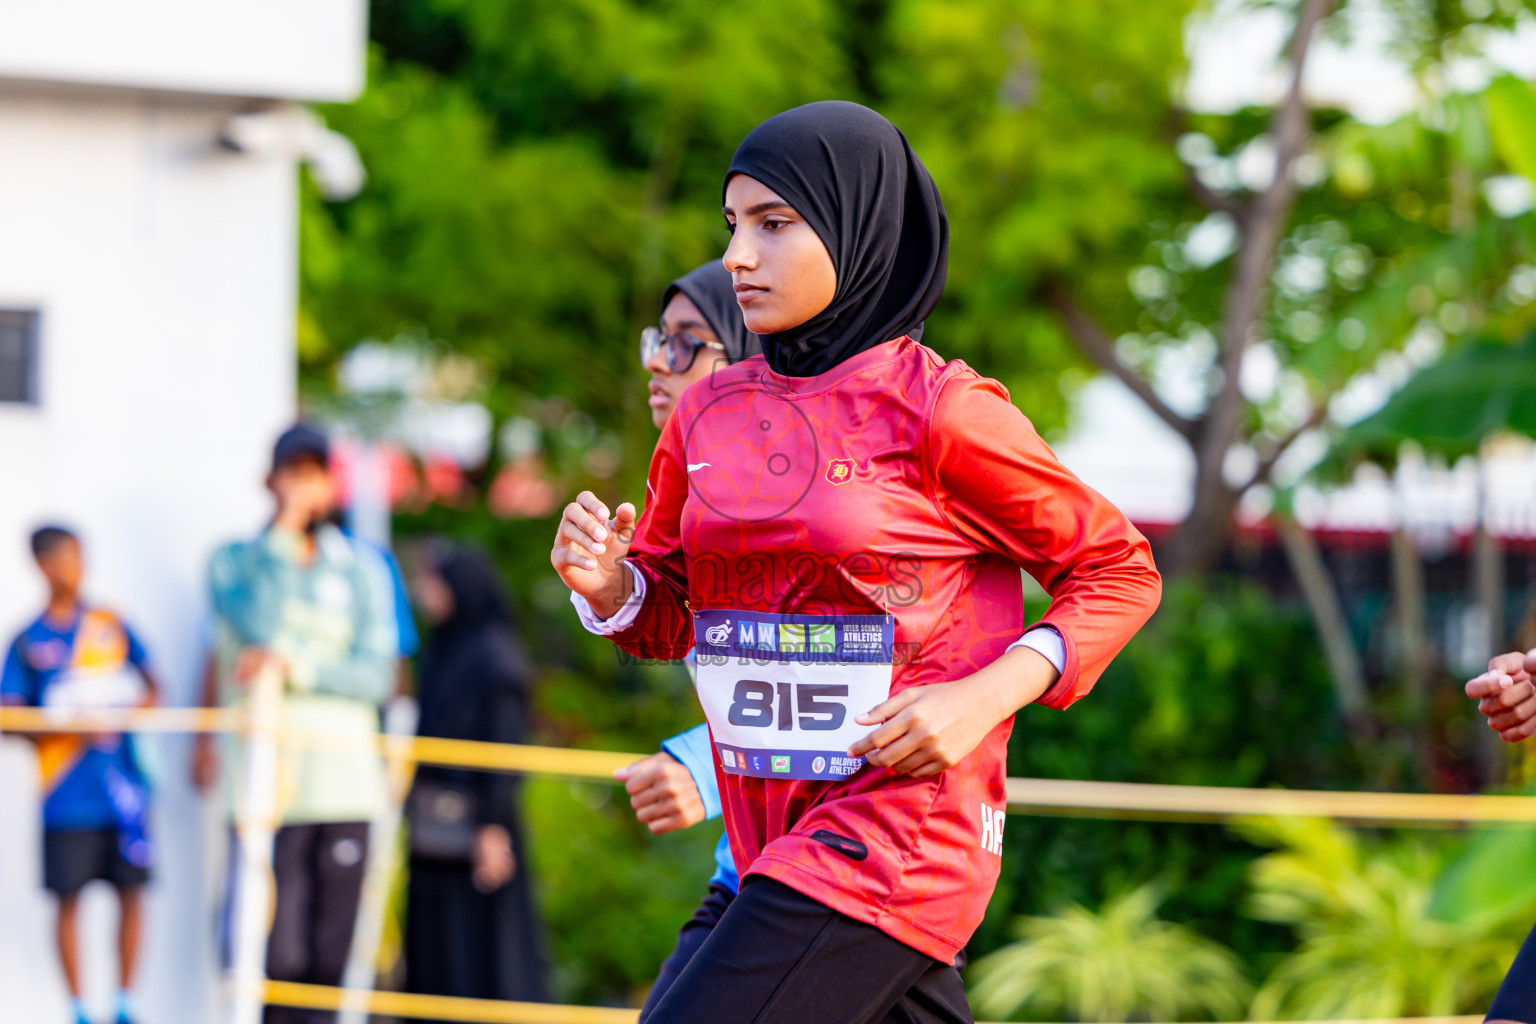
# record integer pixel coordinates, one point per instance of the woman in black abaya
(471, 928)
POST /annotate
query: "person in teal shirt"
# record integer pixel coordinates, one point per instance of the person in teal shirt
(304, 600)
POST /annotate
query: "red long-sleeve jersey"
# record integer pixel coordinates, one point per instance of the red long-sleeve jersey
(893, 484)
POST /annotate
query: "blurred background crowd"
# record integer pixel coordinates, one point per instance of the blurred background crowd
(1263, 273)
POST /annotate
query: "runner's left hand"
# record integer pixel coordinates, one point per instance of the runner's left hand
(926, 729)
(662, 792)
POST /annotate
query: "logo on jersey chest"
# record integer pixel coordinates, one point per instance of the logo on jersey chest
(840, 471)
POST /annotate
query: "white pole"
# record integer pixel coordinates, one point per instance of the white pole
(383, 861)
(255, 827)
(371, 522)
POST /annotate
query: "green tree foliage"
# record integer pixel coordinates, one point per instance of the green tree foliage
(1118, 963)
(1045, 126)
(539, 173)
(1348, 241)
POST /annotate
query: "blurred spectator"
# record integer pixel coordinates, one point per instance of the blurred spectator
(471, 929)
(96, 795)
(305, 600)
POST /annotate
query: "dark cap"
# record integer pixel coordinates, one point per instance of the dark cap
(301, 441)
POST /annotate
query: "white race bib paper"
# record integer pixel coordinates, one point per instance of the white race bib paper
(782, 692)
(82, 689)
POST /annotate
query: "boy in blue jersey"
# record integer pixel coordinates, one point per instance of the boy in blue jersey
(96, 796)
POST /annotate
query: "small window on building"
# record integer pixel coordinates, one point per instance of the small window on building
(18, 356)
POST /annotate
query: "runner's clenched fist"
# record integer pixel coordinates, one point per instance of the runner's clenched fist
(589, 550)
(662, 792)
(1507, 696)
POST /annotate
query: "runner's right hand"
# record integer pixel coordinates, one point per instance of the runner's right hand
(589, 547)
(1506, 695)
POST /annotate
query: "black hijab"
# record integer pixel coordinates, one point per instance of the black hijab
(475, 655)
(851, 174)
(478, 599)
(710, 288)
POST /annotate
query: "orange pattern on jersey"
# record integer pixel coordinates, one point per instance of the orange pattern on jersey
(101, 645)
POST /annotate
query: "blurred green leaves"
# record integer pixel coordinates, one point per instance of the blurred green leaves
(613, 894)
(1369, 946)
(1512, 113)
(1117, 963)
(1485, 387)
(1491, 884)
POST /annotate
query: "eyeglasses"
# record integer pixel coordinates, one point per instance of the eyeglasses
(682, 348)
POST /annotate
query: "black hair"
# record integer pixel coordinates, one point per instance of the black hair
(301, 441)
(46, 539)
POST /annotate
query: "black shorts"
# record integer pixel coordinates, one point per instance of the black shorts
(1517, 996)
(689, 939)
(779, 957)
(74, 857)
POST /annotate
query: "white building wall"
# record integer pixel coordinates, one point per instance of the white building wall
(165, 271)
(281, 49)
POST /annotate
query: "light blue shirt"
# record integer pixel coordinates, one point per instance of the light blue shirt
(333, 622)
(697, 754)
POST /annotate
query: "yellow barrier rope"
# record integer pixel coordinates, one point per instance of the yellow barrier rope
(1030, 796)
(486, 1011)
(450, 1008)
(498, 757)
(506, 757)
(1223, 803)
(51, 720)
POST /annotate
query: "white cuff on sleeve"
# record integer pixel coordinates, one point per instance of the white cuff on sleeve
(625, 617)
(1045, 641)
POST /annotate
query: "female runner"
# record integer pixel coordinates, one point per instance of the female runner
(838, 528)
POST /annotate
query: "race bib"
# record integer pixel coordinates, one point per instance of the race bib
(84, 690)
(782, 692)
